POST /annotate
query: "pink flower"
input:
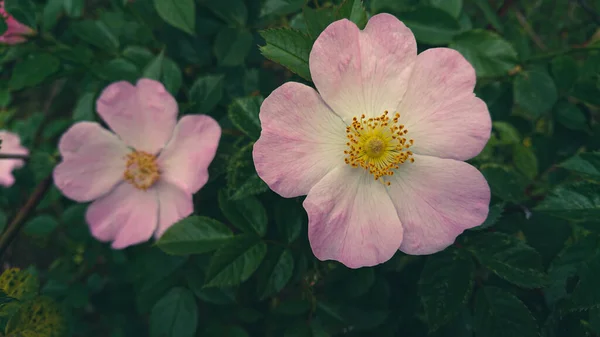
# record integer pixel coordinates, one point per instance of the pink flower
(379, 150)
(11, 144)
(142, 179)
(16, 31)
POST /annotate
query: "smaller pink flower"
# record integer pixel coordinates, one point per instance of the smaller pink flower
(142, 179)
(11, 144)
(16, 31)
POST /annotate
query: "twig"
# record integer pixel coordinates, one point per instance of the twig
(17, 223)
(37, 138)
(563, 52)
(13, 156)
(527, 27)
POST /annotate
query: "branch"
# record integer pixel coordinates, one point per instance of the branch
(13, 156)
(17, 223)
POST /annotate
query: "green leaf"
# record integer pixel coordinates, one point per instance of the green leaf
(194, 235)
(289, 219)
(565, 72)
(3, 25)
(236, 262)
(233, 12)
(431, 25)
(52, 11)
(505, 182)
(587, 164)
(178, 13)
(494, 215)
(22, 10)
(220, 296)
(507, 133)
(500, 314)
(452, 7)
(354, 11)
(97, 34)
(275, 272)
(317, 20)
(19, 284)
(490, 14)
(525, 160)
(570, 116)
(119, 69)
(39, 317)
(154, 69)
(248, 215)
(174, 315)
(33, 70)
(509, 258)
(288, 47)
(280, 7)
(74, 8)
(5, 97)
(253, 185)
(535, 92)
(445, 286)
(586, 294)
(206, 92)
(171, 76)
(42, 225)
(577, 202)
(84, 108)
(243, 113)
(232, 46)
(489, 53)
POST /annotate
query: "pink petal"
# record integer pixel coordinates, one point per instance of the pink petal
(440, 110)
(143, 115)
(437, 199)
(174, 205)
(11, 144)
(126, 215)
(365, 71)
(186, 158)
(351, 219)
(301, 140)
(93, 162)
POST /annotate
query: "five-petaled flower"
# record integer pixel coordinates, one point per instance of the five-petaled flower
(11, 144)
(379, 150)
(142, 179)
(16, 32)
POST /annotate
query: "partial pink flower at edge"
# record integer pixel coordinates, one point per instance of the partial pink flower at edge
(11, 144)
(16, 32)
(142, 178)
(379, 150)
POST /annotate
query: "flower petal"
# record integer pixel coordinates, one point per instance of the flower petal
(437, 199)
(440, 110)
(93, 162)
(174, 204)
(301, 140)
(143, 115)
(365, 71)
(351, 219)
(186, 158)
(11, 144)
(126, 216)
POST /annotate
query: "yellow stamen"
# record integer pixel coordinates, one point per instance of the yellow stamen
(378, 145)
(141, 170)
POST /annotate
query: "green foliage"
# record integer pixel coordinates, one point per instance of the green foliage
(241, 263)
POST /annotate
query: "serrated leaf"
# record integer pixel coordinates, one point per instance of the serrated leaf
(288, 47)
(525, 160)
(243, 113)
(586, 164)
(84, 108)
(236, 262)
(317, 20)
(280, 7)
(507, 133)
(171, 77)
(578, 202)
(494, 215)
(19, 284)
(232, 45)
(445, 286)
(509, 258)
(248, 214)
(570, 116)
(233, 12)
(154, 68)
(586, 294)
(33, 70)
(96, 33)
(431, 25)
(490, 14)
(535, 92)
(251, 186)
(505, 182)
(452, 7)
(565, 71)
(194, 235)
(354, 11)
(40, 316)
(275, 272)
(40, 226)
(220, 296)
(501, 314)
(489, 53)
(178, 13)
(174, 315)
(289, 219)
(206, 92)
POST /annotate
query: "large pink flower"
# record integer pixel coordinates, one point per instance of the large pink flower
(379, 150)
(142, 179)
(16, 31)
(11, 144)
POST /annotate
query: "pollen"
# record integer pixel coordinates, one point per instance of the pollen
(378, 145)
(141, 170)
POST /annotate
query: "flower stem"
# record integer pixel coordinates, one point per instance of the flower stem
(19, 220)
(13, 156)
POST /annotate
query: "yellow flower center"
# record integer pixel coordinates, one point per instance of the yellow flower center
(141, 170)
(378, 145)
